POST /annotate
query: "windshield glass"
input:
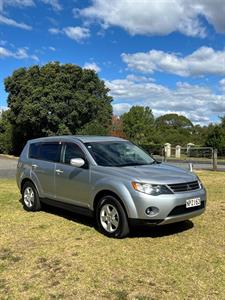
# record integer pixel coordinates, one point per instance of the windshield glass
(118, 154)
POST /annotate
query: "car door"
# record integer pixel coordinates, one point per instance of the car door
(44, 156)
(72, 184)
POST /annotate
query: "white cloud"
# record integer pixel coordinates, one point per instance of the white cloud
(157, 17)
(77, 33)
(52, 48)
(92, 66)
(18, 3)
(20, 53)
(54, 30)
(54, 4)
(121, 108)
(35, 57)
(222, 84)
(199, 103)
(6, 21)
(203, 61)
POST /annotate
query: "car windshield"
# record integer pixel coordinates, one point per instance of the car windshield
(118, 154)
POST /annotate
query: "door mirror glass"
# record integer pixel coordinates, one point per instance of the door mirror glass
(77, 162)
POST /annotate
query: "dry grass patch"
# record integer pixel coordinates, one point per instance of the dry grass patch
(56, 255)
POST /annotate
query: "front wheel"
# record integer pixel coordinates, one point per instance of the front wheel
(111, 218)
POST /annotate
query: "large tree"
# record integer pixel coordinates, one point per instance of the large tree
(175, 129)
(216, 138)
(138, 124)
(223, 122)
(56, 99)
(5, 133)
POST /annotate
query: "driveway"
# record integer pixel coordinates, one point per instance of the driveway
(7, 167)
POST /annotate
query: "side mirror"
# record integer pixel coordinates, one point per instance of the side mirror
(77, 162)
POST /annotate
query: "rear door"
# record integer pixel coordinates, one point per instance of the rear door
(44, 157)
(72, 184)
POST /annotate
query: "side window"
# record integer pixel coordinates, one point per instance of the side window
(50, 152)
(72, 151)
(34, 150)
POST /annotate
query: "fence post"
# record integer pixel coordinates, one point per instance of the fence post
(214, 159)
(167, 148)
(163, 155)
(177, 153)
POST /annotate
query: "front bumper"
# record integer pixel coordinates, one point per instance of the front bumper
(172, 207)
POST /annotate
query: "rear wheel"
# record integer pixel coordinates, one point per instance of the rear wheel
(30, 197)
(111, 218)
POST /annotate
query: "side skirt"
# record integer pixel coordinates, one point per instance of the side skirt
(70, 207)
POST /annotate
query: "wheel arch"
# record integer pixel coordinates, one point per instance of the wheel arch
(107, 192)
(24, 181)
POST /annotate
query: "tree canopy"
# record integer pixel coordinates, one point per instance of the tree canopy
(56, 99)
(216, 138)
(138, 124)
(177, 129)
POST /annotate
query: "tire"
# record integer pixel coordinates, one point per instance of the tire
(30, 197)
(111, 218)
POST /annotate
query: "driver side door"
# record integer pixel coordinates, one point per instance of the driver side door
(72, 184)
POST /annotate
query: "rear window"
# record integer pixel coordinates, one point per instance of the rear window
(45, 151)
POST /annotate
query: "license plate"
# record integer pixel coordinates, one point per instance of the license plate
(193, 202)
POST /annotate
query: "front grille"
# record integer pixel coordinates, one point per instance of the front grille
(184, 187)
(181, 209)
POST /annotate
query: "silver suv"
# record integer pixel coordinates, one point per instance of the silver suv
(108, 178)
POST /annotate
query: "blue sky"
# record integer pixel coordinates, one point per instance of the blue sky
(169, 55)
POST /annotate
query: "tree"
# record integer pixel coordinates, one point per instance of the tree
(223, 122)
(93, 128)
(117, 127)
(55, 99)
(138, 124)
(216, 138)
(5, 133)
(175, 129)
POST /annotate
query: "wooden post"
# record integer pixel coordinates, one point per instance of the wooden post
(214, 159)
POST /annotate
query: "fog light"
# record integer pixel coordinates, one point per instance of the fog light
(152, 211)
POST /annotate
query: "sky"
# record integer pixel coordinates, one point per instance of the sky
(165, 54)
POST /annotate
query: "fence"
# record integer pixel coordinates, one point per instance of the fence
(189, 157)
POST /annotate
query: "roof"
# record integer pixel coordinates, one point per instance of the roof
(82, 138)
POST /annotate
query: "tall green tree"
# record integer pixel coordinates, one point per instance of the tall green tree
(175, 129)
(55, 99)
(216, 138)
(5, 133)
(223, 122)
(138, 124)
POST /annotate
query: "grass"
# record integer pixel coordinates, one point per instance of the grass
(56, 255)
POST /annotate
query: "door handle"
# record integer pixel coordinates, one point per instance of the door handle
(58, 171)
(34, 166)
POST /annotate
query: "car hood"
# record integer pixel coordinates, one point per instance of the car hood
(156, 173)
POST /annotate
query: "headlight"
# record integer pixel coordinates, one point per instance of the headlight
(199, 182)
(150, 189)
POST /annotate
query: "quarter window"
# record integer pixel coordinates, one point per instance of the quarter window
(34, 150)
(45, 151)
(50, 152)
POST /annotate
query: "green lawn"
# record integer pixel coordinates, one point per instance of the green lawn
(56, 255)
